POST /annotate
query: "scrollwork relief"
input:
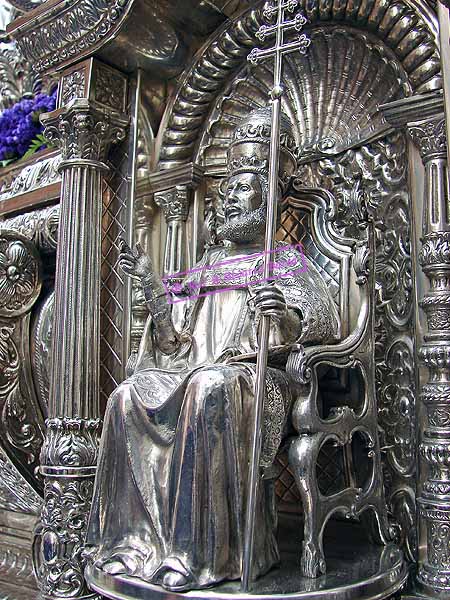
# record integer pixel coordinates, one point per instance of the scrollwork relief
(397, 405)
(435, 573)
(440, 544)
(64, 521)
(31, 177)
(68, 456)
(73, 85)
(21, 423)
(40, 226)
(17, 416)
(84, 24)
(375, 175)
(110, 88)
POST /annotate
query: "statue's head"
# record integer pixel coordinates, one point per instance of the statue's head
(247, 184)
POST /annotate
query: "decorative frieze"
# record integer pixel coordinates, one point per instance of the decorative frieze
(31, 177)
(56, 35)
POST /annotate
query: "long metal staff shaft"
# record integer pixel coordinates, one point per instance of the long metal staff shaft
(264, 331)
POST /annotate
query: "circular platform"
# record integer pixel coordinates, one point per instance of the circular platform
(356, 571)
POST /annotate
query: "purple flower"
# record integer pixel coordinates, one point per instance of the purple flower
(19, 125)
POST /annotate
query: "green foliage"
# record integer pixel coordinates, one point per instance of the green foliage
(39, 141)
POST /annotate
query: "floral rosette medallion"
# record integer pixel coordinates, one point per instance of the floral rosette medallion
(20, 269)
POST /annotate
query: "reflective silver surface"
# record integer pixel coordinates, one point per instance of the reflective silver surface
(364, 53)
(355, 573)
(84, 130)
(177, 433)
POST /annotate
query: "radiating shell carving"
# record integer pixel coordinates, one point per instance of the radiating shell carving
(332, 96)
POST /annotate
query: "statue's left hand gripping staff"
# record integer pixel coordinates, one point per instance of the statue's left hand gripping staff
(136, 264)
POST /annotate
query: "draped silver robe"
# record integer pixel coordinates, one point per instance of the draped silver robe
(171, 485)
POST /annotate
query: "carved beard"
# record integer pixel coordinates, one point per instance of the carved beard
(250, 226)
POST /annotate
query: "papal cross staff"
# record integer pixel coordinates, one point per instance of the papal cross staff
(282, 25)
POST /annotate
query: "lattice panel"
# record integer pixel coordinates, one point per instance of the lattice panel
(295, 228)
(113, 289)
(285, 486)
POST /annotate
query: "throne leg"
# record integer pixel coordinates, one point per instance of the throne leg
(303, 454)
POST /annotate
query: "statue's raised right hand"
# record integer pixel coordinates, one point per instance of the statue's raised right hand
(134, 263)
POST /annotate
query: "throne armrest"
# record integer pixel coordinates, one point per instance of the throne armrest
(303, 360)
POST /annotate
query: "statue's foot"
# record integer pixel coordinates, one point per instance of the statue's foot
(175, 581)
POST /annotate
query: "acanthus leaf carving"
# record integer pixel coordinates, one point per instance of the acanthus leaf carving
(174, 202)
(83, 131)
(17, 78)
(430, 138)
(435, 249)
(71, 442)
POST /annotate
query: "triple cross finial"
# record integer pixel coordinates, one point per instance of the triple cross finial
(282, 25)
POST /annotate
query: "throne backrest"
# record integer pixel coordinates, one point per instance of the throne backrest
(308, 219)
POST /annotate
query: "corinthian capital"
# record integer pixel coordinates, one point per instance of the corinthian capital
(83, 130)
(174, 202)
(430, 138)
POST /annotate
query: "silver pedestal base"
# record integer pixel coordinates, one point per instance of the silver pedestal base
(357, 570)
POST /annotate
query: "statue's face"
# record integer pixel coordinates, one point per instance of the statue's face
(243, 196)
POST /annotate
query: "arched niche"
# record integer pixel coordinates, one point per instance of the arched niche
(400, 35)
(364, 53)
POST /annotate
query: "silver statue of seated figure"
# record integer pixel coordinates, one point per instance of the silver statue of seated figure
(171, 487)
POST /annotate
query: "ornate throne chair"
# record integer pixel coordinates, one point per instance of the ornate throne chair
(340, 413)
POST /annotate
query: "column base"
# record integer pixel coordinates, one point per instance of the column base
(433, 583)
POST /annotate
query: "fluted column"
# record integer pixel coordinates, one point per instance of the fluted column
(434, 258)
(175, 205)
(174, 192)
(84, 129)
